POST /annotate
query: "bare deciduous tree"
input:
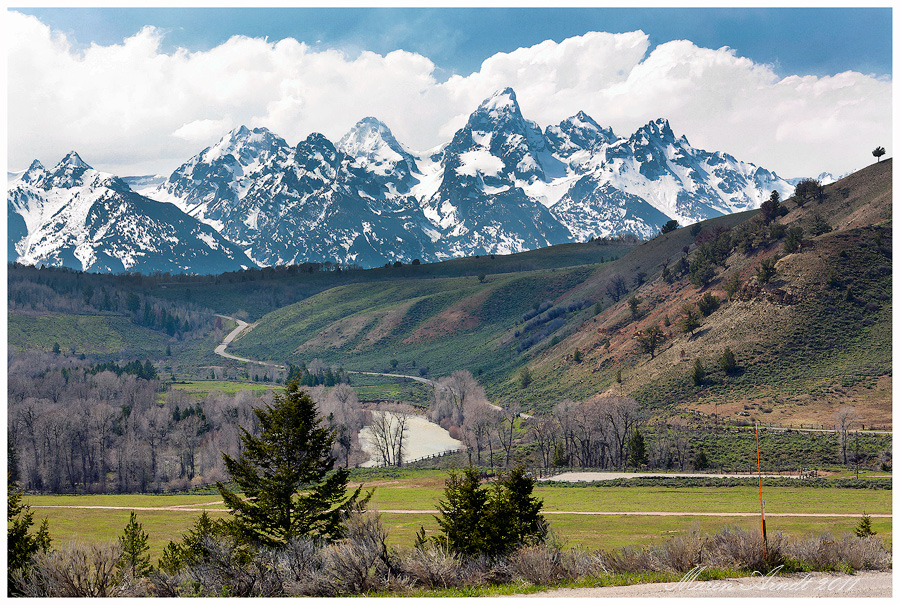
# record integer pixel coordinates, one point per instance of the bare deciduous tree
(478, 424)
(388, 431)
(844, 419)
(546, 433)
(506, 430)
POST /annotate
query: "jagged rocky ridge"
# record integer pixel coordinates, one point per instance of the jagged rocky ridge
(501, 185)
(75, 216)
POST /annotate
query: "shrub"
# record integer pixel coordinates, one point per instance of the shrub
(698, 373)
(708, 304)
(537, 565)
(727, 361)
(434, 566)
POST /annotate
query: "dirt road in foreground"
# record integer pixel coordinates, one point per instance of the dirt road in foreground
(806, 585)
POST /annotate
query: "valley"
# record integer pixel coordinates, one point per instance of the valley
(580, 357)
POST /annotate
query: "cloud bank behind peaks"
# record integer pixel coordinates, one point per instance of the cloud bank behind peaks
(132, 108)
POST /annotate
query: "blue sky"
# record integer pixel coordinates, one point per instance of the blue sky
(805, 41)
(136, 91)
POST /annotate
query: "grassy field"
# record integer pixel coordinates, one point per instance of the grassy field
(200, 389)
(420, 491)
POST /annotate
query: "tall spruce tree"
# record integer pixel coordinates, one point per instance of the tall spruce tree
(135, 559)
(286, 485)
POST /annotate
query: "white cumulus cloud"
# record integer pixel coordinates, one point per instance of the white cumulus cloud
(132, 108)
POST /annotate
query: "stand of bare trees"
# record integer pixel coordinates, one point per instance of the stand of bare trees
(75, 431)
(388, 432)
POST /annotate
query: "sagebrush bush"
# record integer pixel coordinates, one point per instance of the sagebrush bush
(433, 566)
(360, 563)
(537, 565)
(825, 553)
(75, 570)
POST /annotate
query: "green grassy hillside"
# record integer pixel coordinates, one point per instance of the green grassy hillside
(440, 324)
(97, 335)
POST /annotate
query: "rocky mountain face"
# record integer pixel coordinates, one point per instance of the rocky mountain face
(75, 216)
(501, 185)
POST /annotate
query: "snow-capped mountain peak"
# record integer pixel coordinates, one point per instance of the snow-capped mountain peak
(656, 131)
(68, 173)
(372, 144)
(578, 133)
(244, 145)
(35, 173)
(74, 160)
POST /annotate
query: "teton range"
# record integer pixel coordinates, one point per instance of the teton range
(501, 185)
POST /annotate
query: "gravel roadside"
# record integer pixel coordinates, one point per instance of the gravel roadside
(864, 584)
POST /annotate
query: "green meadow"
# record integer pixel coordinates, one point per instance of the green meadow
(419, 491)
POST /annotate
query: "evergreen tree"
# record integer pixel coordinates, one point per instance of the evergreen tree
(690, 319)
(732, 285)
(524, 378)
(134, 540)
(285, 476)
(482, 520)
(878, 152)
(766, 269)
(772, 208)
(21, 544)
(637, 449)
(192, 548)
(700, 460)
(669, 226)
(708, 304)
(650, 339)
(864, 527)
(727, 361)
(698, 373)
